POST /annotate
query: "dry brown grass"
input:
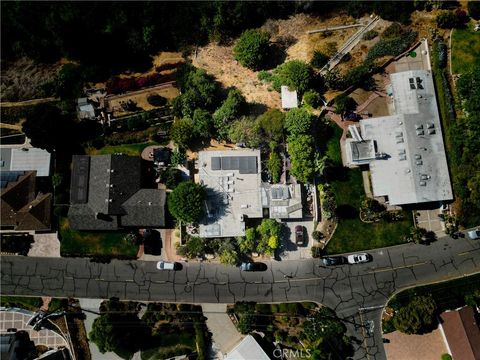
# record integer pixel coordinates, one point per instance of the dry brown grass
(24, 80)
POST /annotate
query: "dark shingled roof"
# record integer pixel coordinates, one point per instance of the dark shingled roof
(20, 208)
(115, 197)
(462, 333)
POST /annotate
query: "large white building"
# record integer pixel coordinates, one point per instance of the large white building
(405, 151)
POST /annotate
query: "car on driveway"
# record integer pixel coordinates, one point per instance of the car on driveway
(299, 238)
(253, 266)
(165, 265)
(474, 234)
(333, 260)
(358, 258)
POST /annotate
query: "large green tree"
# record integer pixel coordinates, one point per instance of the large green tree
(186, 202)
(298, 121)
(324, 334)
(245, 130)
(295, 74)
(417, 316)
(119, 329)
(301, 150)
(182, 132)
(252, 49)
(271, 124)
(231, 109)
(344, 104)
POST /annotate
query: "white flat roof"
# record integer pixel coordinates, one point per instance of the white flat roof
(289, 98)
(25, 159)
(415, 167)
(247, 349)
(233, 182)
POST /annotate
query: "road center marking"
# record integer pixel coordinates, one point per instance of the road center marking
(398, 267)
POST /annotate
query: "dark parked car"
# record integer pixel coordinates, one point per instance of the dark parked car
(333, 260)
(253, 266)
(299, 239)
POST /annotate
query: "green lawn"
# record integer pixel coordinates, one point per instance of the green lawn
(127, 149)
(89, 243)
(465, 49)
(351, 233)
(333, 151)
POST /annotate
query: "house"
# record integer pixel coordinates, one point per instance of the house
(247, 349)
(235, 192)
(25, 159)
(22, 209)
(289, 98)
(404, 151)
(85, 110)
(233, 186)
(461, 333)
(106, 194)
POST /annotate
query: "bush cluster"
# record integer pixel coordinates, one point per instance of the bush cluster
(118, 85)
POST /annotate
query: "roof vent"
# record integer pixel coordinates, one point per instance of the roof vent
(431, 131)
(149, 203)
(423, 183)
(420, 132)
(418, 157)
(112, 171)
(418, 126)
(419, 162)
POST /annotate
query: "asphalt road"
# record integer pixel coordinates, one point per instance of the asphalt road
(356, 292)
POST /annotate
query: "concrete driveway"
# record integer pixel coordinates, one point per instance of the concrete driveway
(292, 251)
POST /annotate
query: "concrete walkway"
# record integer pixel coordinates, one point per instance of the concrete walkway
(224, 334)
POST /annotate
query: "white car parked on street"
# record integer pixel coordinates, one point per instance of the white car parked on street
(358, 258)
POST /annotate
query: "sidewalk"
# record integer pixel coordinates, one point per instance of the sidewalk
(224, 334)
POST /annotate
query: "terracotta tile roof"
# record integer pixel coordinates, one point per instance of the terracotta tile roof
(462, 333)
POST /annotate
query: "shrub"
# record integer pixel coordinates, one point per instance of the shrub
(370, 34)
(229, 257)
(232, 108)
(312, 98)
(156, 100)
(317, 235)
(441, 53)
(319, 59)
(416, 317)
(252, 49)
(301, 149)
(274, 166)
(393, 30)
(447, 20)
(264, 75)
(446, 357)
(298, 121)
(391, 45)
(473, 8)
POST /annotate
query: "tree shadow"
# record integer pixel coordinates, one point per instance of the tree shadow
(346, 212)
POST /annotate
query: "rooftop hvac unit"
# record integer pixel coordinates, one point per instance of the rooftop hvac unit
(244, 206)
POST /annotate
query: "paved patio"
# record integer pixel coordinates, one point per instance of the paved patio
(17, 320)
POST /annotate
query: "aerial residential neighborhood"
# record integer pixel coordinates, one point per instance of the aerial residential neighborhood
(240, 180)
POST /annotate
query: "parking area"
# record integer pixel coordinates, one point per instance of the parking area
(292, 251)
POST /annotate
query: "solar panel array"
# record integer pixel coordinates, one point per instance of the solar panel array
(244, 164)
(9, 176)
